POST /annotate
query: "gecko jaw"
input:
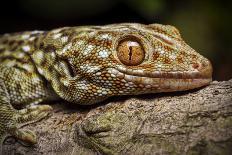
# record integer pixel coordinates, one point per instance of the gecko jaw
(167, 81)
(166, 84)
(203, 71)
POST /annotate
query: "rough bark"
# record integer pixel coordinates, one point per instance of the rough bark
(192, 122)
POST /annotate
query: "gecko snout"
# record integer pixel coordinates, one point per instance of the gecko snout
(204, 68)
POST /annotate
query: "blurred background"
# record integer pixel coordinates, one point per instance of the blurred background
(206, 25)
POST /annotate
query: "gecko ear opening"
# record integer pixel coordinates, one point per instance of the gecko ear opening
(130, 52)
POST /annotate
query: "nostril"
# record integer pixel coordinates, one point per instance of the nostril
(205, 69)
(196, 65)
(201, 66)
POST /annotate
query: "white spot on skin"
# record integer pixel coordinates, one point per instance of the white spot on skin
(121, 68)
(88, 49)
(112, 75)
(84, 87)
(91, 34)
(105, 36)
(32, 38)
(40, 71)
(104, 92)
(64, 39)
(26, 48)
(121, 92)
(25, 36)
(103, 54)
(67, 47)
(28, 67)
(173, 56)
(159, 65)
(53, 55)
(35, 79)
(38, 57)
(36, 32)
(80, 42)
(114, 71)
(20, 55)
(98, 73)
(56, 36)
(99, 91)
(65, 82)
(120, 75)
(89, 69)
(162, 52)
(56, 30)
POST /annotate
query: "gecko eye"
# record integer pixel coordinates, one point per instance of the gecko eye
(130, 52)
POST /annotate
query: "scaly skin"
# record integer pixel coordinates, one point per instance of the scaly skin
(85, 65)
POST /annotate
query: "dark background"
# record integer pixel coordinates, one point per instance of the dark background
(206, 25)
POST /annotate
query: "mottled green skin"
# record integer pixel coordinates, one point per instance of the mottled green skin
(80, 65)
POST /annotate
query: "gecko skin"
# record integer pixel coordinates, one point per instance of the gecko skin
(85, 65)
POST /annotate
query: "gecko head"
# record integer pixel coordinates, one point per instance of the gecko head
(156, 57)
(128, 58)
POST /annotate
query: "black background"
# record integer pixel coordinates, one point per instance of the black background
(205, 25)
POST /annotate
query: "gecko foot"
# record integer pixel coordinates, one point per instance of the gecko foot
(32, 114)
(27, 136)
(26, 116)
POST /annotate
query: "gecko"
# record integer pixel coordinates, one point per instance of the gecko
(88, 64)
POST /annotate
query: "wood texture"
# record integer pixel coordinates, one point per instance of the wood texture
(192, 122)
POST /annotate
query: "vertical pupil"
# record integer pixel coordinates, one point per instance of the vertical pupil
(130, 52)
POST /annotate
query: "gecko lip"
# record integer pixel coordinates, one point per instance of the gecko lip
(168, 81)
(165, 83)
(204, 71)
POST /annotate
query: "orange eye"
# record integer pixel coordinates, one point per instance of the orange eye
(130, 52)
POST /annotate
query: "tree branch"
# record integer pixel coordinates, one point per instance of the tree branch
(192, 122)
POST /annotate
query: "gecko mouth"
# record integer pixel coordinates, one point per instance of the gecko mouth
(168, 81)
(203, 71)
